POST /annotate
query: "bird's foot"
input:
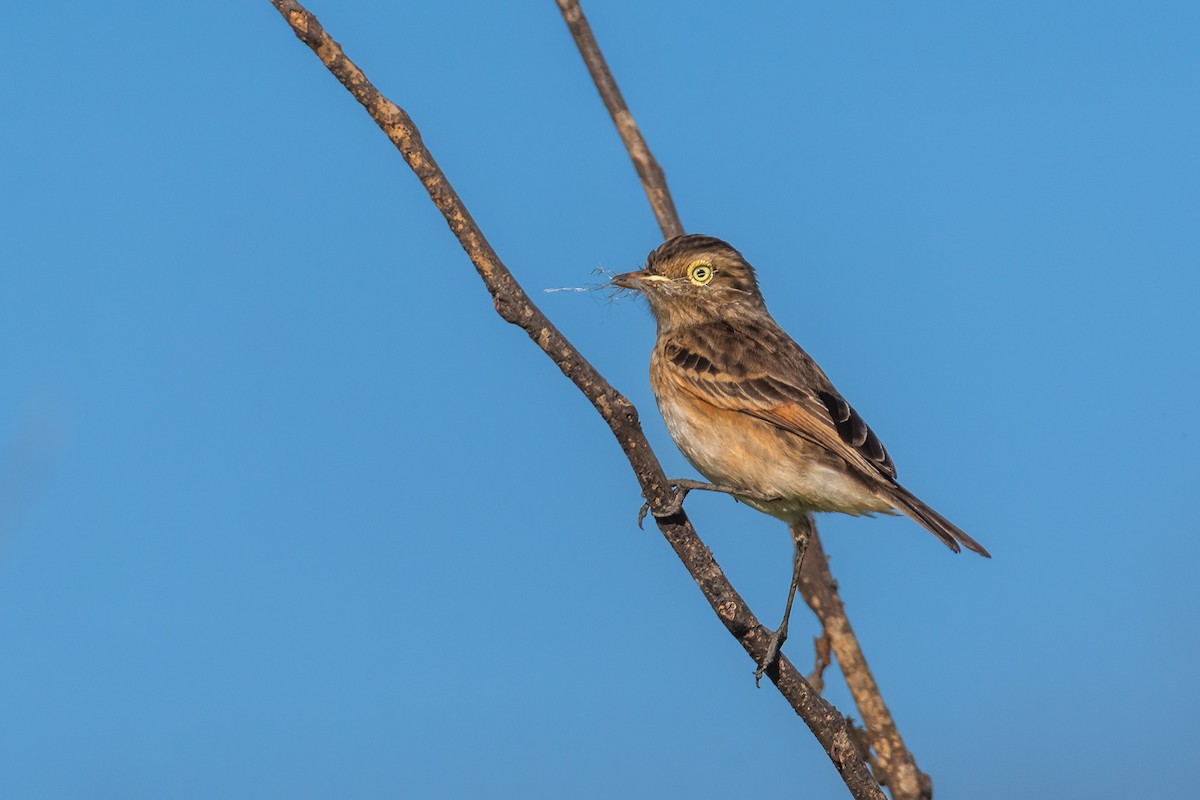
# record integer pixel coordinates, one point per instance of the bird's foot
(771, 659)
(670, 509)
(683, 486)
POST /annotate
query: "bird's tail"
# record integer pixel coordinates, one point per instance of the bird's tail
(935, 523)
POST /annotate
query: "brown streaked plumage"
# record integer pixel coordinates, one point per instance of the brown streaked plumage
(751, 410)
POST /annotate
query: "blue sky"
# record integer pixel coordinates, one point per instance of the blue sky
(286, 510)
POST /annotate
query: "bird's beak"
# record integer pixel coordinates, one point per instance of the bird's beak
(637, 280)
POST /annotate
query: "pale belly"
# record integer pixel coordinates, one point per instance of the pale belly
(734, 449)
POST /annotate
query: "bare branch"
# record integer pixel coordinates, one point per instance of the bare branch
(514, 305)
(894, 765)
(653, 179)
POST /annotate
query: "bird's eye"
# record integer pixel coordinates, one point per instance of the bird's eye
(701, 273)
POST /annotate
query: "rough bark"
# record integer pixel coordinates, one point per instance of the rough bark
(514, 305)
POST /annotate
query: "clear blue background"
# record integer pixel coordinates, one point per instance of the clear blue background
(289, 512)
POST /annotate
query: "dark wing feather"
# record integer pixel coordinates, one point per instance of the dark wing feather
(755, 369)
(856, 432)
(758, 370)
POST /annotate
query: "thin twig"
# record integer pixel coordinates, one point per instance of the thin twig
(897, 767)
(822, 658)
(894, 764)
(654, 181)
(514, 305)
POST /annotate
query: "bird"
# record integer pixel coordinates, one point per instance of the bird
(752, 411)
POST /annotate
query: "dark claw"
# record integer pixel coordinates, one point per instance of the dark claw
(772, 658)
(675, 506)
(669, 510)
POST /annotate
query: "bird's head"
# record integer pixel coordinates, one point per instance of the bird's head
(694, 278)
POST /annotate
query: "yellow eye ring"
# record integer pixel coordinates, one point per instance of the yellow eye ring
(701, 273)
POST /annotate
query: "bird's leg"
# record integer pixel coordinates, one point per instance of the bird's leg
(800, 531)
(683, 485)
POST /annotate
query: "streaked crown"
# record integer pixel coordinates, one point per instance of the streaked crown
(704, 263)
(691, 279)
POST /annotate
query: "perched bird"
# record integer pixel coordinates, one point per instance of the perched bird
(753, 412)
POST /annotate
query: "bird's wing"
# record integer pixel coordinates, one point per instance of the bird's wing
(758, 370)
